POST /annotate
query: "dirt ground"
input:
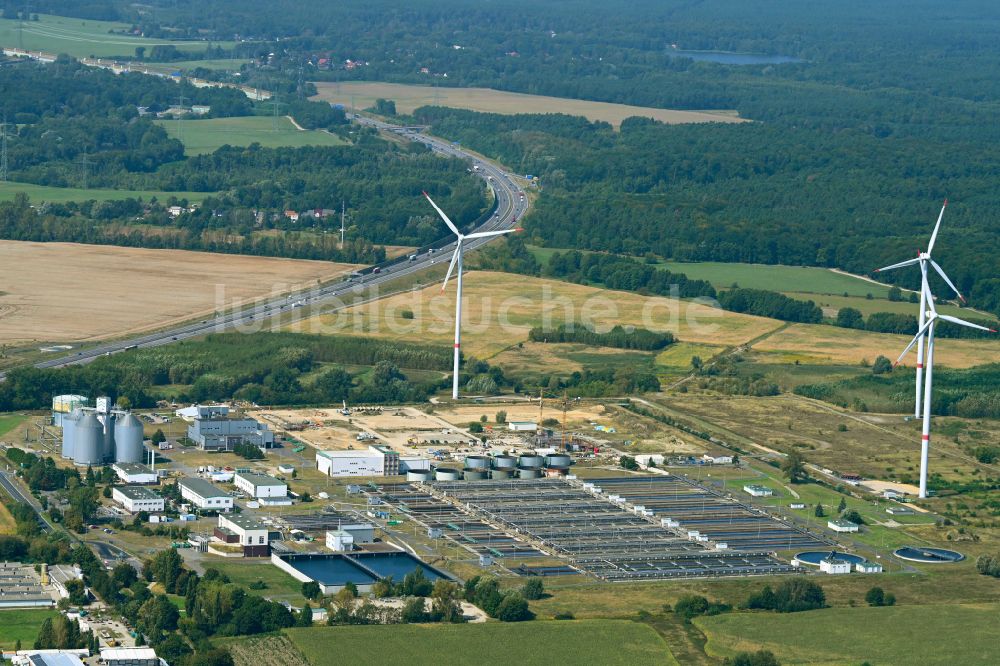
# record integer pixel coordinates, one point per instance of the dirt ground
(67, 292)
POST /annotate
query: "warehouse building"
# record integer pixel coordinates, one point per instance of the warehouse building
(260, 485)
(204, 495)
(246, 531)
(137, 498)
(143, 656)
(135, 473)
(214, 430)
(757, 491)
(842, 526)
(376, 461)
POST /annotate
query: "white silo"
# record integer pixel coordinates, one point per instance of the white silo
(128, 439)
(69, 423)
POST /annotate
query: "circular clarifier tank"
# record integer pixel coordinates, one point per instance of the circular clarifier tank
(928, 555)
(813, 557)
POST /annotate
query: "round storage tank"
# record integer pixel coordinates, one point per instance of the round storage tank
(128, 440)
(530, 461)
(558, 460)
(475, 474)
(529, 472)
(69, 423)
(504, 462)
(477, 462)
(447, 474)
(419, 475)
(502, 473)
(108, 436)
(89, 441)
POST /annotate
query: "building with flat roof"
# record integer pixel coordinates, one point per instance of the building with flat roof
(135, 473)
(834, 565)
(137, 498)
(214, 430)
(50, 658)
(755, 490)
(245, 531)
(378, 460)
(838, 525)
(141, 656)
(522, 426)
(260, 485)
(204, 495)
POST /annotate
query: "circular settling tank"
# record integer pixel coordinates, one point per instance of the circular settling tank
(928, 555)
(813, 557)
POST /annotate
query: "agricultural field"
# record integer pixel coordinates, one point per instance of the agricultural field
(778, 278)
(924, 634)
(83, 38)
(409, 97)
(831, 304)
(21, 625)
(205, 136)
(44, 287)
(821, 344)
(550, 643)
(44, 193)
(501, 308)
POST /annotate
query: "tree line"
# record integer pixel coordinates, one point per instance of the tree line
(618, 337)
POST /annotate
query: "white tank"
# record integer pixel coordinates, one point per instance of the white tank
(88, 441)
(69, 422)
(128, 439)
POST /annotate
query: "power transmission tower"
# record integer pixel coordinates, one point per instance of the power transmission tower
(3, 150)
(85, 166)
(180, 105)
(342, 213)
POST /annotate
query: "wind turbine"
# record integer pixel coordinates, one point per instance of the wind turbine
(924, 259)
(456, 260)
(931, 316)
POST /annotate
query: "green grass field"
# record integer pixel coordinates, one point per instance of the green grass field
(39, 193)
(82, 38)
(205, 136)
(280, 586)
(545, 643)
(10, 421)
(897, 636)
(21, 624)
(777, 278)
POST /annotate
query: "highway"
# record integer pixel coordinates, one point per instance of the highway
(511, 205)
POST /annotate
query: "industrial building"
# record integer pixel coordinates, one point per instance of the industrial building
(522, 426)
(21, 587)
(757, 491)
(333, 571)
(99, 435)
(141, 656)
(842, 526)
(834, 565)
(260, 485)
(137, 498)
(246, 531)
(204, 495)
(376, 461)
(135, 473)
(214, 430)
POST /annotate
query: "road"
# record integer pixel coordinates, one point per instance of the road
(19, 496)
(511, 205)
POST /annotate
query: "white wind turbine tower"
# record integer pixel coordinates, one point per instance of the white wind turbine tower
(927, 330)
(456, 260)
(923, 259)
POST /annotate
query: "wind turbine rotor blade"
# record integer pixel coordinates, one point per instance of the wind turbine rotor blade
(940, 271)
(968, 324)
(919, 336)
(451, 266)
(487, 234)
(930, 246)
(444, 217)
(908, 262)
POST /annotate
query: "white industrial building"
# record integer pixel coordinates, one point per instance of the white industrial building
(260, 485)
(522, 426)
(213, 429)
(204, 495)
(757, 491)
(834, 565)
(842, 525)
(375, 461)
(135, 473)
(137, 498)
(340, 541)
(246, 531)
(717, 460)
(141, 656)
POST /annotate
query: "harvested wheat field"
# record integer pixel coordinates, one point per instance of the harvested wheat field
(830, 344)
(500, 309)
(67, 292)
(409, 97)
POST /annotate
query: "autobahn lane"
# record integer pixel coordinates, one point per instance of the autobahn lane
(511, 205)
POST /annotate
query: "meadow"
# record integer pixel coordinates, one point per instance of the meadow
(929, 635)
(7, 523)
(280, 586)
(205, 136)
(83, 38)
(409, 97)
(21, 625)
(501, 308)
(41, 284)
(777, 278)
(44, 193)
(606, 642)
